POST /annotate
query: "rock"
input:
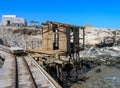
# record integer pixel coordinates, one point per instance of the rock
(106, 41)
(20, 37)
(101, 36)
(98, 70)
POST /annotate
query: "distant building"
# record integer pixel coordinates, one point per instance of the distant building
(13, 20)
(34, 23)
(88, 26)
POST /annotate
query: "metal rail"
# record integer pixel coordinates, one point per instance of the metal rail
(32, 78)
(16, 73)
(46, 75)
(34, 85)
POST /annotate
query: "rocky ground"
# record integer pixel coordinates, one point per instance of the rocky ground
(106, 74)
(24, 37)
(104, 55)
(108, 77)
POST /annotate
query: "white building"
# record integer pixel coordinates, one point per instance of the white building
(13, 20)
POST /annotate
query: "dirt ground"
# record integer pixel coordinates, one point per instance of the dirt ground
(107, 77)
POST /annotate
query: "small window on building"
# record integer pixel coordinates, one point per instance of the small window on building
(8, 23)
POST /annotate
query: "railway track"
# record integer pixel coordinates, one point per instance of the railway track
(24, 72)
(23, 76)
(30, 75)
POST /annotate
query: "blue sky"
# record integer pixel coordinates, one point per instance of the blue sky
(99, 13)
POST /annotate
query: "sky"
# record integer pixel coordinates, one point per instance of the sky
(98, 13)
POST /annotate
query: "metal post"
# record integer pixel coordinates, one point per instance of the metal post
(83, 37)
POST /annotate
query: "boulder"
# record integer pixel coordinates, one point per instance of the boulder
(106, 41)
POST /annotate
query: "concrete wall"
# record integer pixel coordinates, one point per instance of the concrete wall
(13, 21)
